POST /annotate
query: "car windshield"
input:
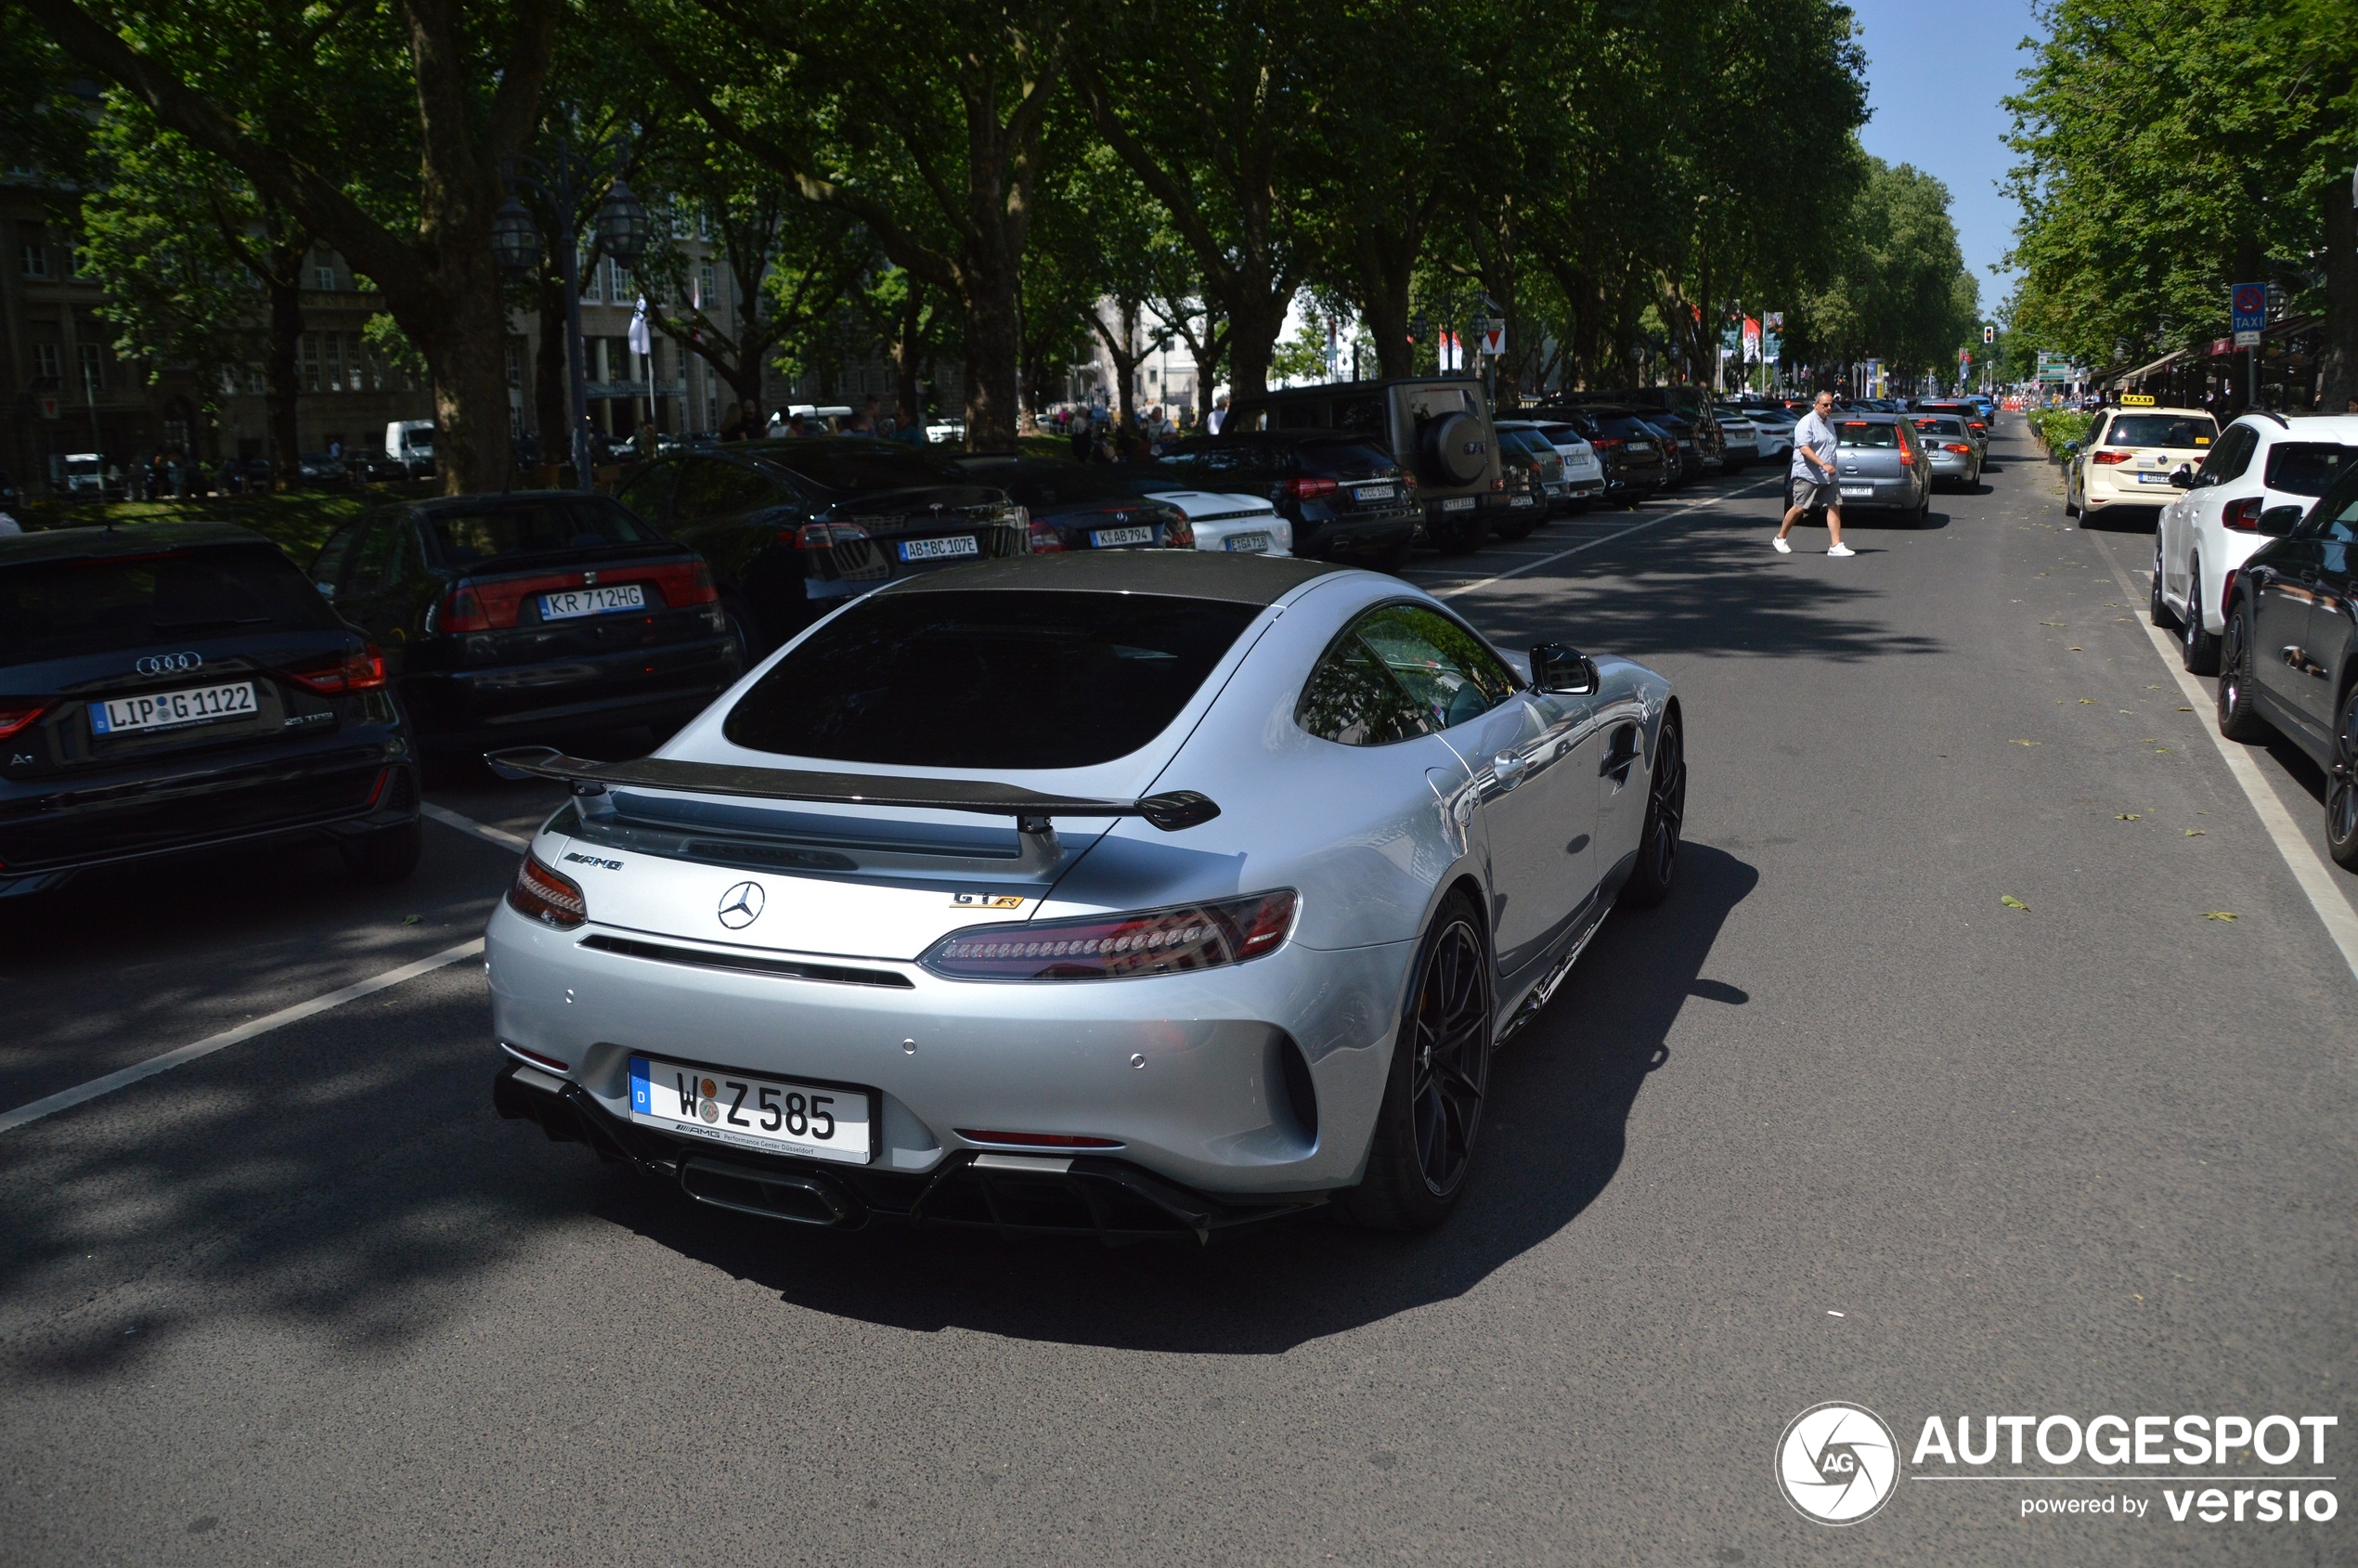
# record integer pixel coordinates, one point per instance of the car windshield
(856, 465)
(469, 537)
(2308, 468)
(2179, 430)
(56, 609)
(1866, 433)
(988, 681)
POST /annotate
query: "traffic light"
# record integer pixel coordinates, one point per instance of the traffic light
(1989, 334)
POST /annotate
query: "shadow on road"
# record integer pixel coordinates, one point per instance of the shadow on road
(1557, 1113)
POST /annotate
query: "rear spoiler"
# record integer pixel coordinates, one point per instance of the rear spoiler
(1170, 812)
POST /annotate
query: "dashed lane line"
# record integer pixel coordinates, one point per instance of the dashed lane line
(68, 1098)
(483, 831)
(2301, 856)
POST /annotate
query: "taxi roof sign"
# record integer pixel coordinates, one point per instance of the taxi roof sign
(2136, 400)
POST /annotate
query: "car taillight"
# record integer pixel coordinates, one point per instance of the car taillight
(1179, 534)
(1046, 539)
(2243, 515)
(15, 716)
(1309, 490)
(1960, 447)
(821, 535)
(1154, 941)
(547, 896)
(463, 611)
(1907, 457)
(1606, 444)
(2109, 457)
(1408, 481)
(689, 582)
(361, 670)
(2227, 595)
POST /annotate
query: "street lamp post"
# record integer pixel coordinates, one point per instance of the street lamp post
(565, 183)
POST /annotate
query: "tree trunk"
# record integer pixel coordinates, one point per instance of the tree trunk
(1255, 319)
(2338, 348)
(279, 373)
(468, 354)
(907, 350)
(551, 397)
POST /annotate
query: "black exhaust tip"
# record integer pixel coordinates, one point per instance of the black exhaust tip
(798, 1197)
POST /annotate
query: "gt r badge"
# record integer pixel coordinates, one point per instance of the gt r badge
(741, 905)
(986, 900)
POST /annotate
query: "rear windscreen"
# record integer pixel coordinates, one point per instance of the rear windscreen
(988, 681)
(1942, 427)
(57, 609)
(858, 466)
(538, 527)
(1347, 459)
(2182, 431)
(1859, 433)
(1626, 426)
(2307, 468)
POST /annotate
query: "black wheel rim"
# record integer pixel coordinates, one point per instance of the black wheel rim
(1666, 805)
(2158, 600)
(2342, 792)
(2231, 667)
(1451, 1065)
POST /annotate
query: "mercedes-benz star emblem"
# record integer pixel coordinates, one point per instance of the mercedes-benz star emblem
(741, 905)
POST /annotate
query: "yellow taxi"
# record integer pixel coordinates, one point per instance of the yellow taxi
(2128, 454)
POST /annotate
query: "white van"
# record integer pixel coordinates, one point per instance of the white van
(84, 474)
(410, 444)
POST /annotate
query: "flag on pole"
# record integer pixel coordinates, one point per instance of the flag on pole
(641, 341)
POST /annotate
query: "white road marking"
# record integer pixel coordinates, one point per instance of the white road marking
(483, 831)
(1655, 520)
(67, 1099)
(2300, 857)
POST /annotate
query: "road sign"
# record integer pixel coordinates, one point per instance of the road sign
(51, 407)
(1493, 335)
(2250, 306)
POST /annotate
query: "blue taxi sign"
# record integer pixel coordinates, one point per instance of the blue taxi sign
(2250, 306)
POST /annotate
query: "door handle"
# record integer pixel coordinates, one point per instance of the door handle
(1508, 769)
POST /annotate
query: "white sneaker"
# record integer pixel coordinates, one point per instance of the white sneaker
(1782, 547)
(1842, 549)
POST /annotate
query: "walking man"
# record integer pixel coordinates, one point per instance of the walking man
(1812, 479)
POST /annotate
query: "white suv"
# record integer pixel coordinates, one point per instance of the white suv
(2208, 531)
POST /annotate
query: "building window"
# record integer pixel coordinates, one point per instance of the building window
(353, 379)
(323, 278)
(46, 362)
(712, 410)
(591, 276)
(256, 384)
(310, 362)
(335, 362)
(93, 370)
(515, 365)
(707, 297)
(36, 251)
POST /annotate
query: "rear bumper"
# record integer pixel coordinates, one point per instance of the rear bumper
(328, 794)
(636, 686)
(1374, 532)
(1016, 1195)
(2104, 490)
(1880, 495)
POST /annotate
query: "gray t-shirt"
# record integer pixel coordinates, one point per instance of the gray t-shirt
(1817, 436)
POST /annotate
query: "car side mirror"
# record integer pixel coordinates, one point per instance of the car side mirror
(2182, 477)
(1566, 671)
(2279, 521)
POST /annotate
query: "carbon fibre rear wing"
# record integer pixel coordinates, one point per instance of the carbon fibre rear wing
(1170, 812)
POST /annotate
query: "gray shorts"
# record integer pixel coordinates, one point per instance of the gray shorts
(1806, 492)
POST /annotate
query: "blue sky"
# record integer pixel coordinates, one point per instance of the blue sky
(1935, 74)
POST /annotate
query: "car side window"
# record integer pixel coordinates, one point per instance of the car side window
(716, 487)
(1352, 699)
(372, 558)
(326, 570)
(2232, 455)
(1445, 669)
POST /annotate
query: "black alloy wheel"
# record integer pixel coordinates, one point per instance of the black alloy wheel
(1666, 818)
(2237, 721)
(2197, 648)
(2159, 614)
(2341, 788)
(1430, 1115)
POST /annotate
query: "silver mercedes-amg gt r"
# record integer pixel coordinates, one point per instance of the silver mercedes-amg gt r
(1140, 893)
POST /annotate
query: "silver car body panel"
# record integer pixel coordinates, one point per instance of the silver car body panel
(1534, 808)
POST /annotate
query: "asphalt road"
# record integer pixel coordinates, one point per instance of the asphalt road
(1835, 1123)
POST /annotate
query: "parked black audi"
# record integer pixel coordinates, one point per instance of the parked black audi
(1347, 497)
(1628, 448)
(793, 527)
(529, 615)
(179, 686)
(1081, 505)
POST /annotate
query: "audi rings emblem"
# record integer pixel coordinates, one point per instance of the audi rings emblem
(166, 663)
(741, 905)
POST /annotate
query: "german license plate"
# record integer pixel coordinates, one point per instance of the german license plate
(1520, 500)
(1248, 544)
(1457, 503)
(946, 549)
(1106, 538)
(1859, 491)
(1642, 445)
(1374, 492)
(580, 602)
(163, 711)
(2153, 479)
(774, 1115)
